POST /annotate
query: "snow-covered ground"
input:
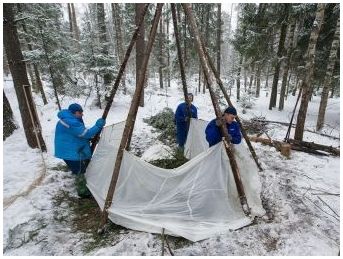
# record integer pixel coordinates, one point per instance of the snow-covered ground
(302, 192)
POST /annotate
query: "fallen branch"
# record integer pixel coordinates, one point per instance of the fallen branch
(293, 126)
(307, 147)
(328, 206)
(312, 145)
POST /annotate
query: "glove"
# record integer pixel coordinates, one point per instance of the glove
(100, 123)
(219, 122)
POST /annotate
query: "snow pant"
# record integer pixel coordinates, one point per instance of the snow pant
(77, 167)
(181, 133)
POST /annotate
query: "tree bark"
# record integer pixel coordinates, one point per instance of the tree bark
(258, 80)
(19, 74)
(8, 122)
(252, 72)
(168, 50)
(108, 77)
(160, 68)
(75, 27)
(273, 96)
(309, 71)
(70, 19)
(116, 14)
(140, 49)
(328, 77)
(219, 34)
(239, 77)
(287, 65)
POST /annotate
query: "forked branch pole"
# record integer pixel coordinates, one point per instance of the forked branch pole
(131, 118)
(209, 78)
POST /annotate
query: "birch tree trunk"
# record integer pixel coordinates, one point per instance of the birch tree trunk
(309, 70)
(328, 78)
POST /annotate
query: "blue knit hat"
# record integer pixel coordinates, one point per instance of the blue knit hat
(75, 108)
(231, 110)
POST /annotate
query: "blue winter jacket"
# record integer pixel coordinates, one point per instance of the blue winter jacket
(213, 135)
(72, 137)
(181, 123)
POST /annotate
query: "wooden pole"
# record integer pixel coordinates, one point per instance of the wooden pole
(114, 89)
(131, 117)
(221, 85)
(209, 79)
(181, 63)
(290, 123)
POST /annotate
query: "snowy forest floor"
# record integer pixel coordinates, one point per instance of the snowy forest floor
(303, 192)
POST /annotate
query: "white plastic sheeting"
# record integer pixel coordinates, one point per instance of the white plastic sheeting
(196, 143)
(195, 201)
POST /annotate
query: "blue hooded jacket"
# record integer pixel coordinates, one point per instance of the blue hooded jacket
(72, 137)
(181, 123)
(213, 135)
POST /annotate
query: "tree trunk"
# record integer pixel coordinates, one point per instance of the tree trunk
(20, 80)
(108, 77)
(239, 76)
(140, 49)
(116, 14)
(258, 80)
(287, 65)
(8, 122)
(207, 31)
(184, 29)
(252, 72)
(245, 75)
(309, 71)
(70, 19)
(219, 32)
(288, 82)
(168, 50)
(328, 78)
(267, 76)
(160, 41)
(75, 27)
(273, 95)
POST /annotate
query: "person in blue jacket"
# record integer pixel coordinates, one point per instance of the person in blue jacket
(72, 138)
(213, 134)
(182, 119)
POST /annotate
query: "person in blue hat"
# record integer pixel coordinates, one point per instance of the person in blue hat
(213, 134)
(182, 119)
(72, 138)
